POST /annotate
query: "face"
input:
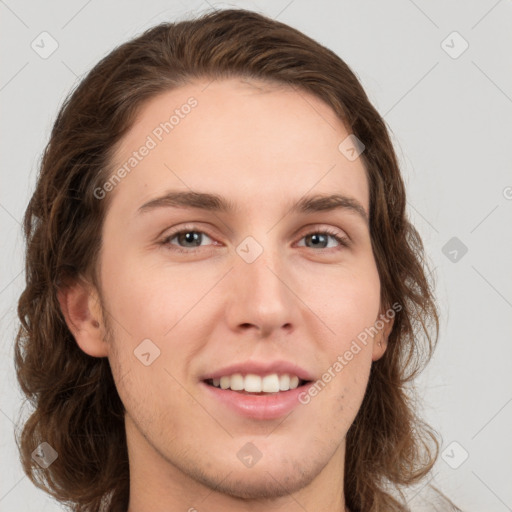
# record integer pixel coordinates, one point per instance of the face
(193, 291)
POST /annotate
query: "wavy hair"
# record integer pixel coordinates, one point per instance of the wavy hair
(76, 407)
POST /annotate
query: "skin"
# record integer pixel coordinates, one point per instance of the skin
(263, 147)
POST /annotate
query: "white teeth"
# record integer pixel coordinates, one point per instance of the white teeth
(284, 382)
(270, 383)
(237, 382)
(252, 383)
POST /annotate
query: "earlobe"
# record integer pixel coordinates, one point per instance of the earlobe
(381, 339)
(79, 303)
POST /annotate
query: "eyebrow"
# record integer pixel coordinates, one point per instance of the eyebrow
(216, 203)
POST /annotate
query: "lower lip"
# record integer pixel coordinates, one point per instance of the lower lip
(259, 407)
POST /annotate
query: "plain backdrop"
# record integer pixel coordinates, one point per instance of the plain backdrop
(441, 75)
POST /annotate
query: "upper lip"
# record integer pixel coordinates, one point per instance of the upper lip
(260, 368)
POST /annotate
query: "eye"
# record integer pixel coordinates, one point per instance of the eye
(190, 239)
(320, 238)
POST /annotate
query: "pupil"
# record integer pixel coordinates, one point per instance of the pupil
(190, 236)
(316, 237)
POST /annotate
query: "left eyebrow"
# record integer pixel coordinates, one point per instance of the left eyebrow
(217, 203)
(321, 202)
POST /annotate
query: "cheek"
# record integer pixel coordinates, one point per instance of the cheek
(149, 301)
(341, 393)
(347, 301)
(169, 307)
(348, 305)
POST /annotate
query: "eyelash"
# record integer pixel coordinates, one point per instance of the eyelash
(343, 241)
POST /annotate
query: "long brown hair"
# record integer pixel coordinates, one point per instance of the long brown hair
(77, 409)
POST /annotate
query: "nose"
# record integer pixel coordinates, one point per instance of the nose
(261, 296)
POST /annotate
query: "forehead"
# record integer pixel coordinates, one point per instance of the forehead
(257, 143)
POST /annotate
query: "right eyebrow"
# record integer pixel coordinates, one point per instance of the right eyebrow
(201, 200)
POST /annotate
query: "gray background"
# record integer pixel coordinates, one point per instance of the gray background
(450, 121)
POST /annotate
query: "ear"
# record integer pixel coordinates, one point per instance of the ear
(384, 323)
(80, 305)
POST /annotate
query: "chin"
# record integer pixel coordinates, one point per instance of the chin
(268, 483)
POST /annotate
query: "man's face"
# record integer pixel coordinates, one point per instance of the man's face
(260, 284)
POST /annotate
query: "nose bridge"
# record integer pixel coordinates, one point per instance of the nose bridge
(262, 296)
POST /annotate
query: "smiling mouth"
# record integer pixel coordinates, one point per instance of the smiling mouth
(210, 382)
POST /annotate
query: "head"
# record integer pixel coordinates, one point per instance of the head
(122, 322)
